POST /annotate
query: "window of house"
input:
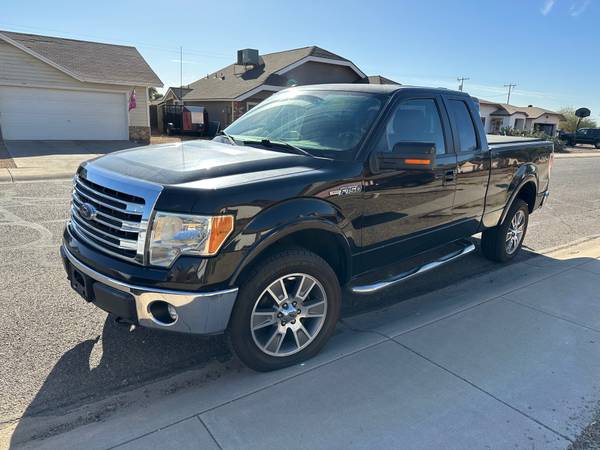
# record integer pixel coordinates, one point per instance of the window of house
(415, 120)
(467, 138)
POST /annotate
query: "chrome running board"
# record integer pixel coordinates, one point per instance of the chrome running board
(383, 284)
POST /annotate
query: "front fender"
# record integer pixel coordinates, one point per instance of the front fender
(286, 218)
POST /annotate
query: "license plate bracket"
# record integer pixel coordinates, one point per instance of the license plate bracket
(81, 284)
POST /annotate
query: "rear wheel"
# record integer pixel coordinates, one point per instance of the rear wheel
(597, 145)
(503, 242)
(286, 310)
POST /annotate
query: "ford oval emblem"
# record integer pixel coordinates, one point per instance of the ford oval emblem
(87, 211)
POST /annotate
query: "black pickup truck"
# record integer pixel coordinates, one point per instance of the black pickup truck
(316, 190)
(583, 136)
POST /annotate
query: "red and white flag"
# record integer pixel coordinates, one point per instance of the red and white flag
(132, 101)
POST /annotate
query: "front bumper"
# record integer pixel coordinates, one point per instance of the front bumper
(197, 312)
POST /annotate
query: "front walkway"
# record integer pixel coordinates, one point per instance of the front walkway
(508, 359)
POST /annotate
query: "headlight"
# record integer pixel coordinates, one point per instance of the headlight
(181, 234)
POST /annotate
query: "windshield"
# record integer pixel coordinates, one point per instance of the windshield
(324, 123)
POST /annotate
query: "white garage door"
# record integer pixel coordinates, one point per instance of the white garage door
(32, 113)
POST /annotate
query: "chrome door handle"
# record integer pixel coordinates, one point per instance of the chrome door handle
(450, 176)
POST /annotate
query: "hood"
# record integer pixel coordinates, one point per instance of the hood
(189, 161)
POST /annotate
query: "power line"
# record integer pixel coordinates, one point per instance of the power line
(462, 80)
(510, 87)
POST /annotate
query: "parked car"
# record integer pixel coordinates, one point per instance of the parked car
(316, 190)
(583, 136)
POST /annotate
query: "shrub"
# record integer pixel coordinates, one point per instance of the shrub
(559, 145)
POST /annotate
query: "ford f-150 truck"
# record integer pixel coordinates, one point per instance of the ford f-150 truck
(317, 190)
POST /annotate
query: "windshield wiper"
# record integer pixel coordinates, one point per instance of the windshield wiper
(228, 137)
(281, 144)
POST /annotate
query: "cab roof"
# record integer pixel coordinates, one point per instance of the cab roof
(376, 88)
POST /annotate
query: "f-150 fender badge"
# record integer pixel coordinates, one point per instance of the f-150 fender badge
(346, 190)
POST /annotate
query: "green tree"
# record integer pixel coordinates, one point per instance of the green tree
(570, 122)
(154, 94)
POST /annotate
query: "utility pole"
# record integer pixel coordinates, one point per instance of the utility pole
(461, 80)
(510, 87)
(181, 74)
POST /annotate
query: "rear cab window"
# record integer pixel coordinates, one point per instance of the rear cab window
(463, 122)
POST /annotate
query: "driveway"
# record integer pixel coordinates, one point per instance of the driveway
(34, 160)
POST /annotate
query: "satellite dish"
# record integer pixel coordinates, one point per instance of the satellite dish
(582, 112)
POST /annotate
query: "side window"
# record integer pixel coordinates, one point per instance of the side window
(467, 138)
(413, 121)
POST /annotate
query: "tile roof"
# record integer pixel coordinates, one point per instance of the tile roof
(532, 112)
(86, 61)
(232, 81)
(176, 90)
(378, 79)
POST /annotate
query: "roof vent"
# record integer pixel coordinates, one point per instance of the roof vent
(247, 57)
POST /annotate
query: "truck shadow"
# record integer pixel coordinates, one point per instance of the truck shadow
(115, 361)
(119, 360)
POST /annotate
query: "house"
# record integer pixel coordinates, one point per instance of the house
(378, 79)
(231, 91)
(65, 89)
(173, 95)
(496, 116)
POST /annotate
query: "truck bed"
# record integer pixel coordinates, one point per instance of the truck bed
(495, 139)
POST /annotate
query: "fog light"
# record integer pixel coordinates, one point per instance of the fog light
(172, 312)
(163, 313)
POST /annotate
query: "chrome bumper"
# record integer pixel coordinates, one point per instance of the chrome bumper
(198, 312)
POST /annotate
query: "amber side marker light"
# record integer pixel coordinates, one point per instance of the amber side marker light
(417, 162)
(221, 228)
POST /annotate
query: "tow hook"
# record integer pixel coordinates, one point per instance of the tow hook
(125, 323)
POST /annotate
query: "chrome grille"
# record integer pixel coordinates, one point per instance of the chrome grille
(120, 211)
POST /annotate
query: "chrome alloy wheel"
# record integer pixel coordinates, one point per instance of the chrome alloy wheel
(514, 234)
(289, 314)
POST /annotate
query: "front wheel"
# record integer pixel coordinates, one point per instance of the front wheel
(597, 145)
(503, 242)
(286, 310)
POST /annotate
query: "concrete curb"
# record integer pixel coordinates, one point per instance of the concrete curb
(577, 155)
(13, 175)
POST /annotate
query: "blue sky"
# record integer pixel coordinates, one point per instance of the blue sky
(549, 48)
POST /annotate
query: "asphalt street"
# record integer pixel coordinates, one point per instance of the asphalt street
(57, 352)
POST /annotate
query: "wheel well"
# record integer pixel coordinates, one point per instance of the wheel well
(326, 244)
(527, 194)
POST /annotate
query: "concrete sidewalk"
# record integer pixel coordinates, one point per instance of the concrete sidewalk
(48, 160)
(507, 359)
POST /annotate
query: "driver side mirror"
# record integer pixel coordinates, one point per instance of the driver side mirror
(406, 156)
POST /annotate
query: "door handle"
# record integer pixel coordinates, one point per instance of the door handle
(449, 176)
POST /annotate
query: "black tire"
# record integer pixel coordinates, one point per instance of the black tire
(494, 240)
(267, 271)
(597, 145)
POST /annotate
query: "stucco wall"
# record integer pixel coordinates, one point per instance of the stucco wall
(316, 73)
(485, 111)
(18, 68)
